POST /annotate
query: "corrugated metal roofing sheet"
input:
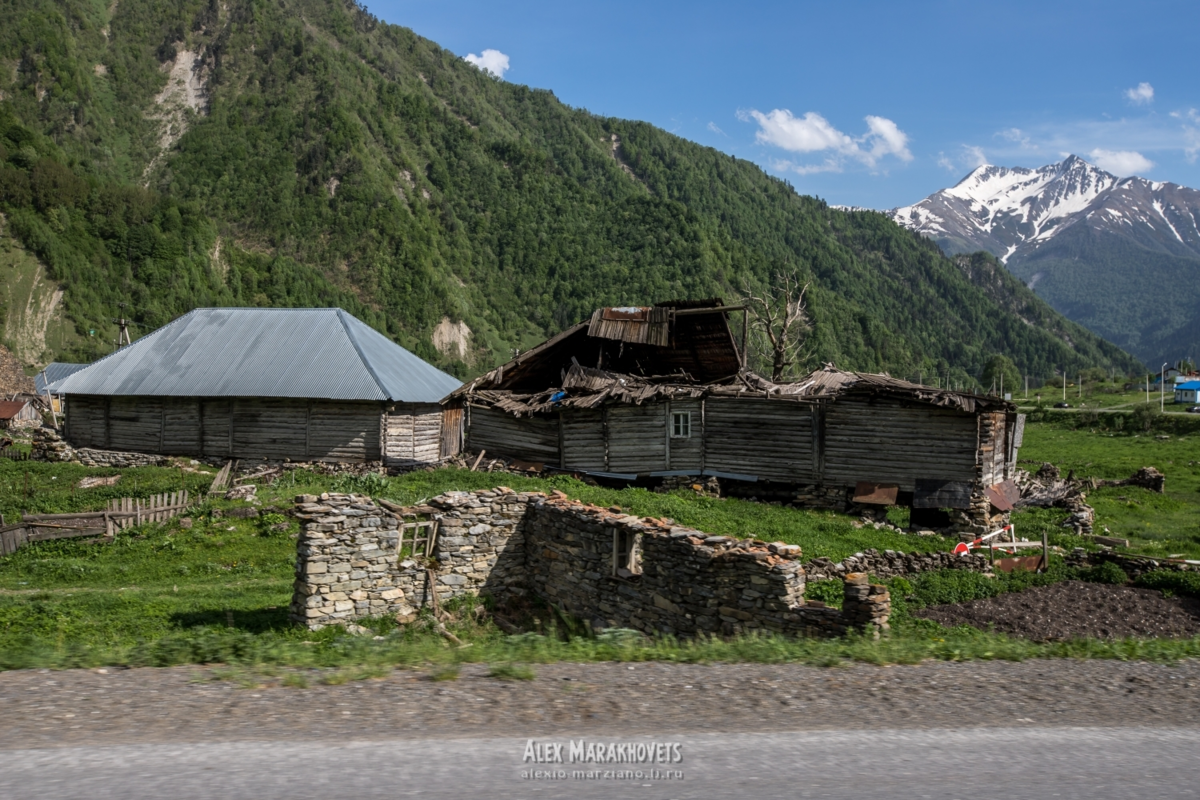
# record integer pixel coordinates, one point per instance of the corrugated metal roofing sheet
(320, 353)
(55, 372)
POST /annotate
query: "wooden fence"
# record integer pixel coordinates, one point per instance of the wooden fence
(120, 514)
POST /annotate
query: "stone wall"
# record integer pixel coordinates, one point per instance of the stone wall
(347, 565)
(890, 563)
(500, 542)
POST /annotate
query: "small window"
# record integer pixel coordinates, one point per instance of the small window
(681, 424)
(626, 554)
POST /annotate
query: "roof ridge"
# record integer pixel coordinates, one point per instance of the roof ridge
(341, 315)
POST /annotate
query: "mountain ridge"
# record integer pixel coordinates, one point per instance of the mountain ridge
(1097, 247)
(303, 153)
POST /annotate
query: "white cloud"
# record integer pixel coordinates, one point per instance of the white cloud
(1121, 162)
(492, 61)
(969, 157)
(886, 138)
(1141, 94)
(812, 133)
(712, 126)
(1019, 137)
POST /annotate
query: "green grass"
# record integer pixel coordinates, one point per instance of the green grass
(1155, 524)
(218, 593)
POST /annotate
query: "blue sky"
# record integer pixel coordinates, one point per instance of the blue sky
(875, 104)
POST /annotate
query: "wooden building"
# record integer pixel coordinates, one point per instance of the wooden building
(17, 411)
(252, 383)
(660, 392)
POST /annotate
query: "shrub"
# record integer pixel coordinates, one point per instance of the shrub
(1184, 583)
(1108, 572)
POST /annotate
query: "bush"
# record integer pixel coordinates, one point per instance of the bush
(1108, 572)
(1183, 583)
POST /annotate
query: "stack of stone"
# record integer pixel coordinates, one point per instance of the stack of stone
(865, 606)
(49, 446)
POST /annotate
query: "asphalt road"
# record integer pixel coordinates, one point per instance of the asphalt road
(1009, 763)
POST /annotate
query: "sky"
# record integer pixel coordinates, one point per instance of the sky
(874, 104)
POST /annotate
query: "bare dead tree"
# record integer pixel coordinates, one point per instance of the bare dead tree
(780, 318)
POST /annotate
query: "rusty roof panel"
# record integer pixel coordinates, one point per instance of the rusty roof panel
(650, 326)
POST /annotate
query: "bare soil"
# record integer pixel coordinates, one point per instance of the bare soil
(1074, 609)
(193, 704)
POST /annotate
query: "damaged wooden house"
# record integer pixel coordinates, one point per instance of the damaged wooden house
(299, 384)
(662, 393)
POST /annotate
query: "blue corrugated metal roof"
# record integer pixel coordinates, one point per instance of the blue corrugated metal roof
(55, 372)
(1190, 385)
(264, 352)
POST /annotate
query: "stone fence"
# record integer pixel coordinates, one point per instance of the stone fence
(602, 566)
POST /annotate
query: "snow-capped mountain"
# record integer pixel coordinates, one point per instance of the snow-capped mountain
(1118, 255)
(1013, 211)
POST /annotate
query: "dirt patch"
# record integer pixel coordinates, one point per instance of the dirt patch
(1074, 609)
(452, 336)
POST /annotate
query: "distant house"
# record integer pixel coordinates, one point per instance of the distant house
(1188, 392)
(15, 412)
(662, 393)
(297, 384)
(55, 372)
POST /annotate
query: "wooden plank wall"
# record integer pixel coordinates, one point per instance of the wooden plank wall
(637, 438)
(452, 432)
(414, 434)
(583, 439)
(86, 425)
(686, 453)
(344, 430)
(770, 439)
(526, 438)
(994, 446)
(889, 442)
(215, 416)
(273, 428)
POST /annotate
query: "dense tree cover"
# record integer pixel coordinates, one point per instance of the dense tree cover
(338, 160)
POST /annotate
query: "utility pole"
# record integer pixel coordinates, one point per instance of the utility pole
(123, 326)
(1026, 387)
(1064, 386)
(1081, 387)
(1162, 389)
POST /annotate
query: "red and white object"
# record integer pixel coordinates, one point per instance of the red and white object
(962, 548)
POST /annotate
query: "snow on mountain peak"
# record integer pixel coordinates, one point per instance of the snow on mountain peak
(1012, 211)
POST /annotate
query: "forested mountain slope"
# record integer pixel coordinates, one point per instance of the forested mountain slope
(298, 152)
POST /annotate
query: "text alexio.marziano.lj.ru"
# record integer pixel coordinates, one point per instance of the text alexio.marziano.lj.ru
(585, 752)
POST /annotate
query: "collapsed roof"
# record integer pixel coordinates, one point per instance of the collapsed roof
(675, 349)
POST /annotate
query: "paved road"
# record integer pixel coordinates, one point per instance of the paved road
(1003, 763)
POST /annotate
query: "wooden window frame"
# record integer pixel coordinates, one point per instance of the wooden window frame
(686, 428)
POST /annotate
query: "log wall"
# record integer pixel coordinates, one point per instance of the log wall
(414, 434)
(527, 438)
(637, 438)
(244, 427)
(584, 447)
(887, 441)
(769, 439)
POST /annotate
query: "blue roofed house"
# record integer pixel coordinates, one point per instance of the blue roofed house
(313, 384)
(1188, 392)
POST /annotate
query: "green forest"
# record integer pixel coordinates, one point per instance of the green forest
(171, 155)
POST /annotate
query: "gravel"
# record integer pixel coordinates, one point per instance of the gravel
(192, 704)
(1074, 609)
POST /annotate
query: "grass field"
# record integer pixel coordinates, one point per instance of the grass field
(1165, 524)
(218, 592)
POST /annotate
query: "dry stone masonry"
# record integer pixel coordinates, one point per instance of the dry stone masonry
(605, 567)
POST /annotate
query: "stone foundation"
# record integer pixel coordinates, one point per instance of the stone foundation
(599, 565)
